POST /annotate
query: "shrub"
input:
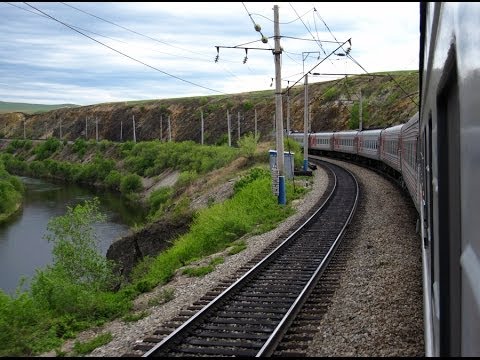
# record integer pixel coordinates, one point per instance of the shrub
(47, 148)
(159, 197)
(130, 183)
(80, 147)
(248, 145)
(113, 179)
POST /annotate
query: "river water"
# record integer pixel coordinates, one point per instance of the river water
(23, 247)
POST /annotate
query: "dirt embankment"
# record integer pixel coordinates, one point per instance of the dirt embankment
(387, 99)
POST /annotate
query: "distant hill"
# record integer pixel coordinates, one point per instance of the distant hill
(8, 107)
(387, 99)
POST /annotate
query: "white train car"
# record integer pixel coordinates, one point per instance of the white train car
(390, 145)
(321, 141)
(345, 141)
(409, 162)
(369, 144)
(450, 169)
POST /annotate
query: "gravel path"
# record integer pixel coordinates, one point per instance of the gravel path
(377, 309)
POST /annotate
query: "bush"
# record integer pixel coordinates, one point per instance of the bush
(80, 147)
(113, 180)
(159, 197)
(47, 148)
(130, 183)
(248, 145)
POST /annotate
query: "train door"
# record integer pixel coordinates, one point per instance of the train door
(449, 216)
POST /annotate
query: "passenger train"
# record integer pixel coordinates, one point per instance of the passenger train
(436, 155)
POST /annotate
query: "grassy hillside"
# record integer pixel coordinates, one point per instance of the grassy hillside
(8, 107)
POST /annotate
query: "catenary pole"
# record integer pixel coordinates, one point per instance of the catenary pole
(282, 199)
(305, 126)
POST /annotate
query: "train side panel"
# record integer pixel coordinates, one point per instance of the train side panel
(390, 145)
(450, 160)
(409, 163)
(346, 142)
(369, 144)
(321, 141)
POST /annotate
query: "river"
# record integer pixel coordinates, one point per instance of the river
(23, 247)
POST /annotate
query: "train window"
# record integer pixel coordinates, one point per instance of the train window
(449, 217)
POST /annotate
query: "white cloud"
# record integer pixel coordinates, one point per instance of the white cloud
(60, 65)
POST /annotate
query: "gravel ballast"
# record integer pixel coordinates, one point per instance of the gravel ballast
(377, 308)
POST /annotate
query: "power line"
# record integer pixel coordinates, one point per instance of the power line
(319, 63)
(132, 58)
(284, 23)
(132, 31)
(255, 25)
(318, 42)
(46, 17)
(125, 42)
(356, 62)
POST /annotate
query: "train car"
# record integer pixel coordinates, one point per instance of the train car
(390, 144)
(409, 161)
(369, 144)
(345, 141)
(298, 137)
(321, 141)
(450, 172)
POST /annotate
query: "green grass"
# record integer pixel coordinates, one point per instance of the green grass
(237, 247)
(203, 270)
(7, 107)
(135, 316)
(253, 209)
(82, 348)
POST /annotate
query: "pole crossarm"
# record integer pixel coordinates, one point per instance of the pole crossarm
(241, 47)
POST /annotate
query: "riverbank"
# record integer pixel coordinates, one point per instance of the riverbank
(6, 216)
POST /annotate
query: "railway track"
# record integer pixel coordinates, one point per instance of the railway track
(251, 316)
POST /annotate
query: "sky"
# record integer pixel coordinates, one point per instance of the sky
(89, 53)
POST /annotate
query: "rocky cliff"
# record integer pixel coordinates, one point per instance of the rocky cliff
(387, 99)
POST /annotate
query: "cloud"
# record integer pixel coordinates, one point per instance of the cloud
(46, 61)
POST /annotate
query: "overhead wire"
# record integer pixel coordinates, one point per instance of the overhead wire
(357, 63)
(157, 40)
(128, 56)
(318, 42)
(46, 17)
(284, 23)
(133, 31)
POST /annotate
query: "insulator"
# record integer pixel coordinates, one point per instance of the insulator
(258, 27)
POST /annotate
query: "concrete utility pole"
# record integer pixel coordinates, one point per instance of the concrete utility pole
(282, 199)
(161, 127)
(60, 129)
(96, 129)
(169, 129)
(239, 125)
(86, 119)
(310, 118)
(201, 116)
(24, 130)
(134, 135)
(305, 127)
(255, 123)
(288, 111)
(228, 129)
(360, 112)
(121, 130)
